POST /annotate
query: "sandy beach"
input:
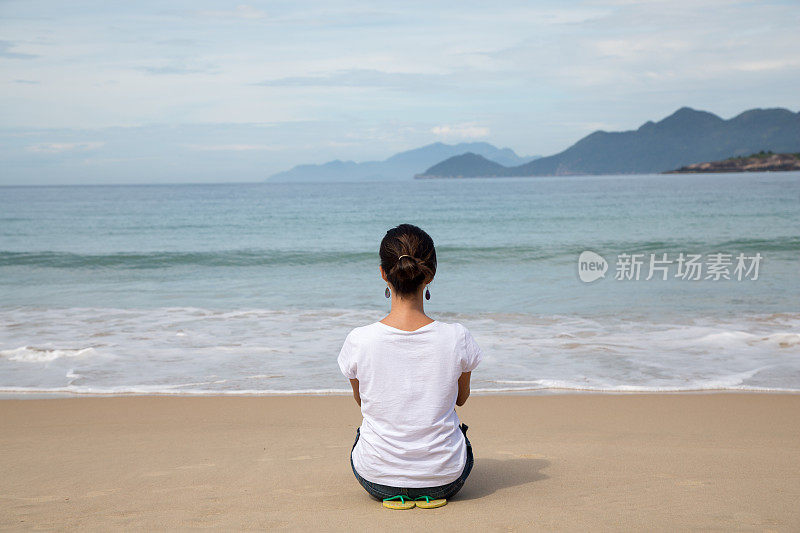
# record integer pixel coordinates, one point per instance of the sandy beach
(557, 462)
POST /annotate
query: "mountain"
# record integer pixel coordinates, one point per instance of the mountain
(465, 165)
(399, 166)
(685, 137)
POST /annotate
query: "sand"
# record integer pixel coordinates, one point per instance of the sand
(553, 462)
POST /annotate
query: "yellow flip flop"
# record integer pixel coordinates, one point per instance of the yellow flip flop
(428, 503)
(404, 503)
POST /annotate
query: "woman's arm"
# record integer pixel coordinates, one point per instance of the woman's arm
(356, 395)
(463, 389)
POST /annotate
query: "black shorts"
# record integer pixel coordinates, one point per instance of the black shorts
(381, 492)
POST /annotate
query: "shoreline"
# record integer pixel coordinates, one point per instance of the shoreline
(43, 395)
(624, 461)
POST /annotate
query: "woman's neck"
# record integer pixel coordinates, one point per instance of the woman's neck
(407, 312)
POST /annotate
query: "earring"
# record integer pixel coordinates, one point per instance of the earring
(427, 293)
(387, 293)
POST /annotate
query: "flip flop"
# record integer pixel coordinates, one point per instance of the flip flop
(404, 503)
(428, 503)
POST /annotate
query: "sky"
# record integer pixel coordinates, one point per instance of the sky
(210, 91)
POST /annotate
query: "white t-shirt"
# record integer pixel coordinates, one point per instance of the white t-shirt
(408, 382)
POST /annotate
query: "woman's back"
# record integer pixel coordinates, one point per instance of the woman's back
(408, 384)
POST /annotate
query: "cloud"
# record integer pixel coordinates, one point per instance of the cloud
(178, 42)
(27, 82)
(232, 147)
(57, 148)
(242, 11)
(460, 131)
(767, 64)
(362, 78)
(533, 76)
(5, 51)
(173, 69)
(692, 43)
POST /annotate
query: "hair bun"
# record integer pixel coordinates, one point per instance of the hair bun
(408, 258)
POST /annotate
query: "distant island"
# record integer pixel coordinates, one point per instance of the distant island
(675, 142)
(400, 166)
(760, 162)
(679, 140)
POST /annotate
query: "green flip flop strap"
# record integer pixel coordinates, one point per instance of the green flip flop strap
(399, 496)
(427, 499)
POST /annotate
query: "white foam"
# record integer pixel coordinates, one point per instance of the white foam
(262, 351)
(32, 354)
(78, 390)
(168, 391)
(725, 339)
(780, 340)
(728, 382)
(635, 388)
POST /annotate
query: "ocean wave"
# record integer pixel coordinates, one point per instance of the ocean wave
(255, 258)
(456, 254)
(637, 389)
(168, 391)
(737, 338)
(564, 387)
(736, 381)
(132, 260)
(194, 350)
(32, 354)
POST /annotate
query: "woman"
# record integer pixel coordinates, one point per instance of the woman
(408, 372)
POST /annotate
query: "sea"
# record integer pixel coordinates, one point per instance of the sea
(635, 283)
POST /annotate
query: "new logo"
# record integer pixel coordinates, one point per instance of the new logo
(591, 266)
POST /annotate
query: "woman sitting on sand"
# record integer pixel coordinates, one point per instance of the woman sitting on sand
(408, 373)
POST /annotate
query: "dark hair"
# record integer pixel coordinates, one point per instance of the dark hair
(406, 274)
